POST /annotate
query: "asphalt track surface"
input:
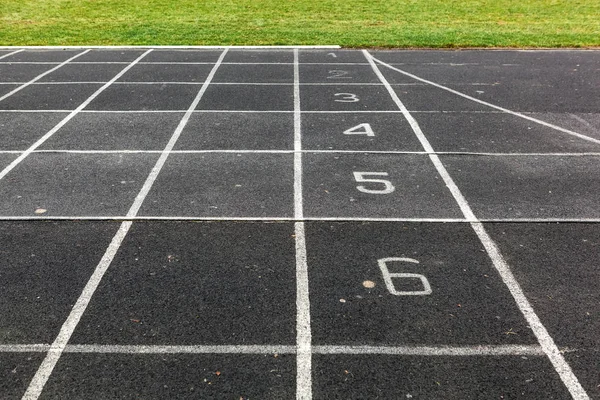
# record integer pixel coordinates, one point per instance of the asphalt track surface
(295, 223)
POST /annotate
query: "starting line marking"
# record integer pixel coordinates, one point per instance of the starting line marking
(416, 350)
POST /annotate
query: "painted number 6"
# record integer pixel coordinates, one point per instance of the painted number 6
(364, 177)
(387, 277)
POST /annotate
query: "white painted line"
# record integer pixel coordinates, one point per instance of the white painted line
(52, 131)
(40, 76)
(192, 349)
(466, 210)
(556, 358)
(36, 111)
(303, 329)
(165, 154)
(183, 47)
(11, 53)
(560, 364)
(43, 373)
(41, 376)
(505, 110)
(484, 350)
(24, 348)
(309, 151)
(290, 219)
(409, 350)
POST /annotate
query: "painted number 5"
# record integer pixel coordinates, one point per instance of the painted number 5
(346, 97)
(387, 277)
(364, 177)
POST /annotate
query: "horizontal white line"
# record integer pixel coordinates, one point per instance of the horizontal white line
(24, 348)
(484, 350)
(275, 47)
(191, 349)
(121, 218)
(308, 151)
(42, 83)
(414, 350)
(261, 111)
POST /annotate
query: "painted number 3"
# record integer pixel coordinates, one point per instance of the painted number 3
(346, 97)
(365, 177)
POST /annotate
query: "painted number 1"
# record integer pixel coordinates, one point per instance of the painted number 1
(387, 277)
(365, 177)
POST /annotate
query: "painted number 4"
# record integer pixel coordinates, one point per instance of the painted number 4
(387, 277)
(366, 177)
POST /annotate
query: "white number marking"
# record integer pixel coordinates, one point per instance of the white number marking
(362, 129)
(332, 55)
(347, 98)
(363, 177)
(338, 74)
(387, 277)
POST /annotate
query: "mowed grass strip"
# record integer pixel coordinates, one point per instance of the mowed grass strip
(349, 23)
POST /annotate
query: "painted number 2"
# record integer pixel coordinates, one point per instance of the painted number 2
(346, 98)
(387, 277)
(364, 177)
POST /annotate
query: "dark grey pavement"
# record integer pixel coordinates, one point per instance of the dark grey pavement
(210, 221)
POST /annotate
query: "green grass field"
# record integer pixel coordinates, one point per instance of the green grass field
(349, 23)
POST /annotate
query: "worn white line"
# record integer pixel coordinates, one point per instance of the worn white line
(197, 83)
(332, 151)
(560, 364)
(163, 158)
(505, 110)
(43, 373)
(466, 210)
(583, 121)
(36, 111)
(182, 47)
(406, 350)
(289, 219)
(303, 329)
(41, 376)
(483, 350)
(11, 53)
(40, 76)
(191, 349)
(52, 131)
(24, 348)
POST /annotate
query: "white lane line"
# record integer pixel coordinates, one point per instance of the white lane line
(291, 219)
(43, 373)
(24, 348)
(40, 76)
(505, 110)
(11, 53)
(182, 47)
(410, 350)
(163, 158)
(333, 151)
(466, 210)
(191, 349)
(483, 350)
(256, 111)
(303, 329)
(52, 131)
(560, 364)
